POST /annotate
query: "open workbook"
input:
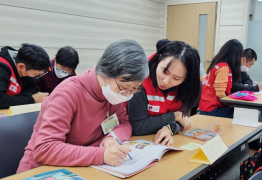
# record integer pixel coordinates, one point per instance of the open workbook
(144, 155)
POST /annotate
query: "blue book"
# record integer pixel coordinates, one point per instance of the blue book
(60, 174)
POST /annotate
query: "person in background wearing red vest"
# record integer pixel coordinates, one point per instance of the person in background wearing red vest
(222, 72)
(169, 93)
(62, 67)
(19, 72)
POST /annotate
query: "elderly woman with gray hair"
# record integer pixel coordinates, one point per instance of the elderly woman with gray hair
(71, 129)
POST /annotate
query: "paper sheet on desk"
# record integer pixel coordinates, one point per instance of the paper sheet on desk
(257, 93)
(210, 152)
(245, 117)
(190, 146)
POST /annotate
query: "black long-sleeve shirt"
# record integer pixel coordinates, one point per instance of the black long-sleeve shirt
(28, 89)
(142, 123)
(244, 79)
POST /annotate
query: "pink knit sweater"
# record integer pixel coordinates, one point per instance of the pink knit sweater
(67, 131)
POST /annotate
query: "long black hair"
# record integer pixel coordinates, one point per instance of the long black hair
(229, 53)
(188, 90)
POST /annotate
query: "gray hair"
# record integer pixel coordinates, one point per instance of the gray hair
(124, 58)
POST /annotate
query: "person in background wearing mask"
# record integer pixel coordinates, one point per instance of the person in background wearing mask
(19, 72)
(61, 67)
(68, 130)
(248, 59)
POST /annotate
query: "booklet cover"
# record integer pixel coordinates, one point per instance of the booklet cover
(60, 174)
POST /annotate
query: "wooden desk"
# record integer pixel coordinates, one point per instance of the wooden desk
(231, 101)
(173, 165)
(3, 111)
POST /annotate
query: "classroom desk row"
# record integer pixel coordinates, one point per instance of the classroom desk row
(176, 165)
(257, 104)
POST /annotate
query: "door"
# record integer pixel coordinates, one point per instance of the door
(195, 25)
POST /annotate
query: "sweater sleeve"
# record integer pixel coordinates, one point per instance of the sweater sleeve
(221, 80)
(142, 123)
(239, 87)
(6, 100)
(50, 144)
(246, 79)
(29, 89)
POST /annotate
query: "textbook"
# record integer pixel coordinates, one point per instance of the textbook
(197, 133)
(144, 155)
(60, 174)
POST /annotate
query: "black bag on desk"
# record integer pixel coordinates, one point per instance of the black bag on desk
(250, 165)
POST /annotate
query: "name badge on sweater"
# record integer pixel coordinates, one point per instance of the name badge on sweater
(153, 108)
(109, 123)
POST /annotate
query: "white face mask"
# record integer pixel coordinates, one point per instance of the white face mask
(61, 73)
(243, 68)
(112, 97)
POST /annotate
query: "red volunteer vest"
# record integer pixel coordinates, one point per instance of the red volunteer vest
(209, 100)
(14, 88)
(158, 104)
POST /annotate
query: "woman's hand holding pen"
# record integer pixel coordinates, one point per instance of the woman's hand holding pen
(116, 154)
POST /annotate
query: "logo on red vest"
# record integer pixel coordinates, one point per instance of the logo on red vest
(153, 108)
(13, 88)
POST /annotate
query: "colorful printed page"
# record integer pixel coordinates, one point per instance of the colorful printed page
(149, 148)
(197, 133)
(14, 110)
(144, 154)
(60, 174)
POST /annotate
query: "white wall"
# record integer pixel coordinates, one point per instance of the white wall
(257, 10)
(87, 25)
(233, 21)
(91, 25)
(254, 41)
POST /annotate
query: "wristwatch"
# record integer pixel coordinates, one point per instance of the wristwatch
(170, 129)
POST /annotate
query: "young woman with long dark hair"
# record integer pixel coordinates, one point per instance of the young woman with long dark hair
(223, 71)
(169, 93)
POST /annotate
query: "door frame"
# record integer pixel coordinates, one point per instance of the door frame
(180, 2)
(217, 28)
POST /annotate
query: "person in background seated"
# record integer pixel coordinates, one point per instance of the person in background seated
(169, 93)
(68, 129)
(245, 83)
(61, 67)
(19, 72)
(224, 68)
